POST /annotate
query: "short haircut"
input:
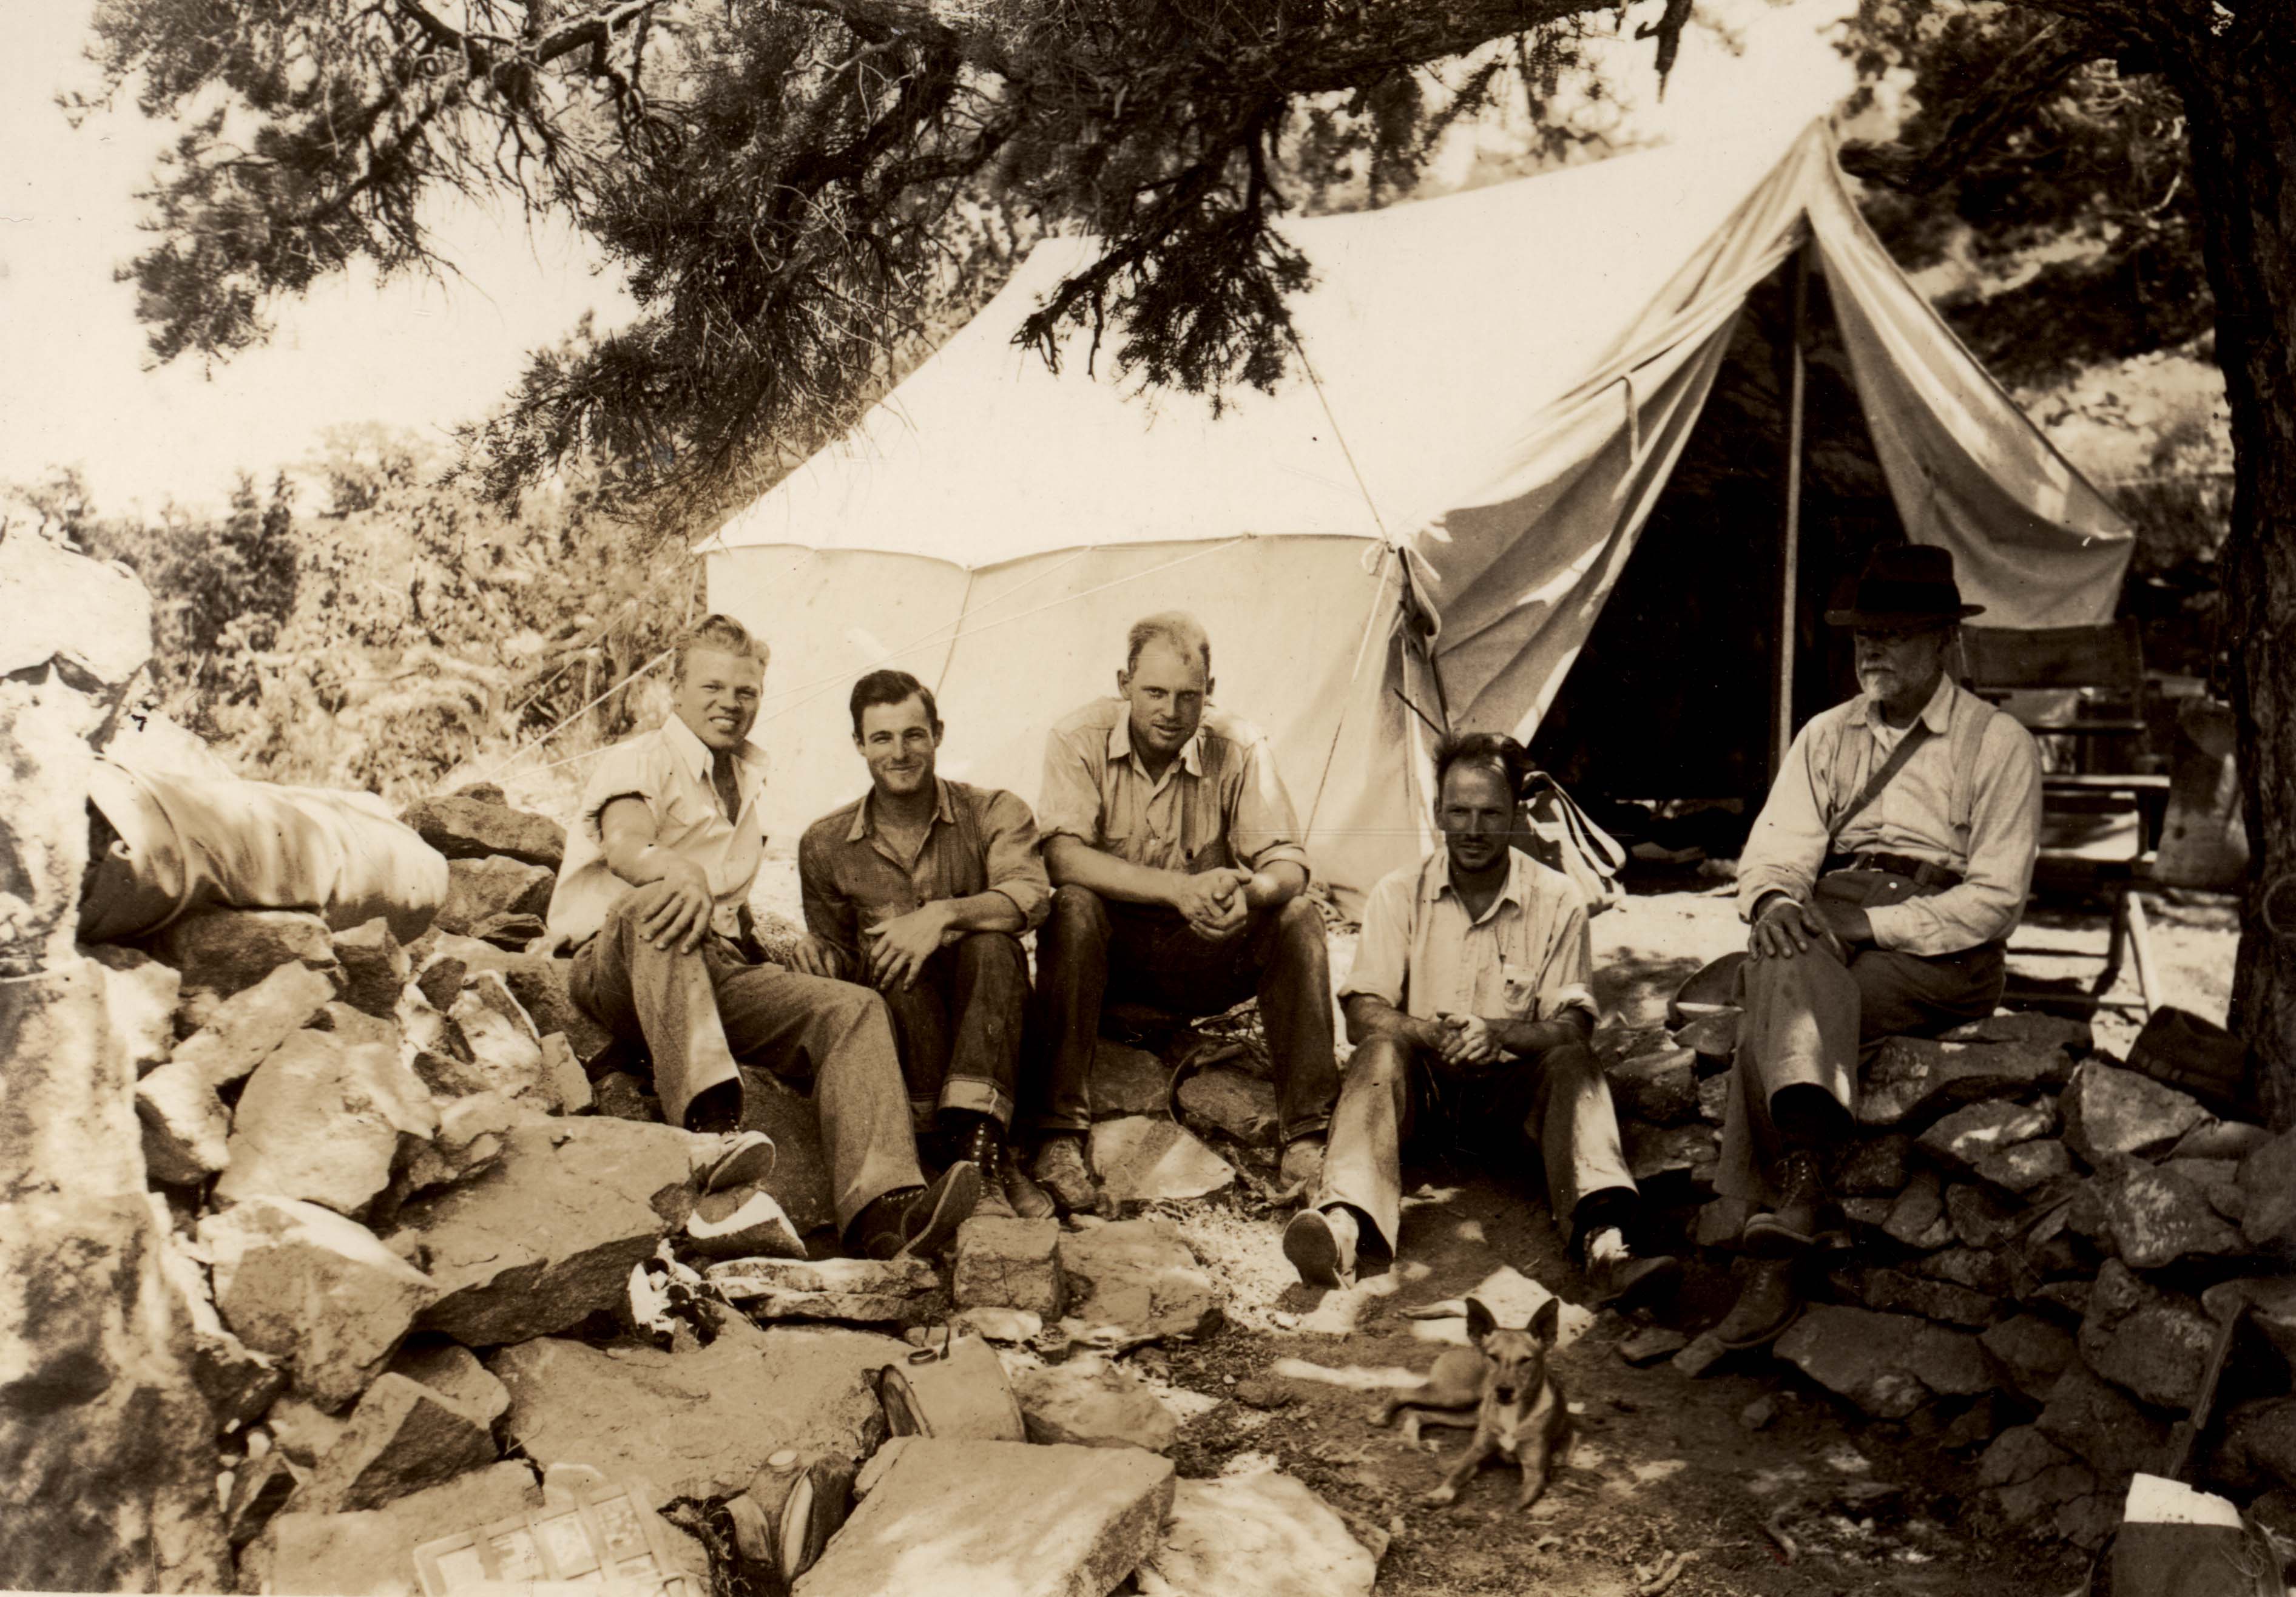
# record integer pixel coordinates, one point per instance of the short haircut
(723, 636)
(1176, 628)
(1490, 751)
(891, 687)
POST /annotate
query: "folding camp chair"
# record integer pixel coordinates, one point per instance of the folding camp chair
(2081, 691)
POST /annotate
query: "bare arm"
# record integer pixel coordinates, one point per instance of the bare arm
(1371, 1016)
(626, 827)
(1209, 899)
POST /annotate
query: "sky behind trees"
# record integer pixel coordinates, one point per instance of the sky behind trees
(427, 355)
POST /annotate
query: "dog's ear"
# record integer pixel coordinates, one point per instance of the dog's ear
(1480, 1322)
(1548, 1321)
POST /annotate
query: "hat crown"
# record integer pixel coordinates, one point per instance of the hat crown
(1907, 583)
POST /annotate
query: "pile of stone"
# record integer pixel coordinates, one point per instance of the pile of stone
(2047, 1247)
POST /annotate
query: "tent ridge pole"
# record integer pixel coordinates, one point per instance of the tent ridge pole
(1781, 694)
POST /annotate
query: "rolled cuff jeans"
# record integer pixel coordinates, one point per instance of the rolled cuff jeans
(1090, 949)
(958, 1027)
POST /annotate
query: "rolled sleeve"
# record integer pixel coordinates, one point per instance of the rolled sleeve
(1014, 866)
(1383, 950)
(624, 771)
(1788, 843)
(2005, 838)
(1568, 981)
(1068, 803)
(1262, 827)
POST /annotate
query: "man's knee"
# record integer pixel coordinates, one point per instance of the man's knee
(1077, 912)
(631, 910)
(1380, 1061)
(1300, 921)
(990, 953)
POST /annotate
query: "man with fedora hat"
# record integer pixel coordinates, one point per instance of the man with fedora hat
(1882, 881)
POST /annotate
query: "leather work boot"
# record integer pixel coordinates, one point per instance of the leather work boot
(1618, 1279)
(1768, 1304)
(1320, 1244)
(1061, 1170)
(1800, 1218)
(982, 1146)
(1028, 1200)
(919, 1222)
(1302, 1170)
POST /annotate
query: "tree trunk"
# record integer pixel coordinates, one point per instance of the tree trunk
(2240, 96)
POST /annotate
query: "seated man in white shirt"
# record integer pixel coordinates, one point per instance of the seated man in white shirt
(1883, 879)
(653, 899)
(1471, 1004)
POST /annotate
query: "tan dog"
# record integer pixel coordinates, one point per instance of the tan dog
(1501, 1386)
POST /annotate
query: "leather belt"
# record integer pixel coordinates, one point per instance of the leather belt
(1926, 872)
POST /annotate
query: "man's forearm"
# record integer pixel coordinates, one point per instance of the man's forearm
(1071, 862)
(990, 910)
(1524, 1039)
(1368, 1018)
(1275, 885)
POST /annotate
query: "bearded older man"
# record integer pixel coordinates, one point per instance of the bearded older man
(1882, 881)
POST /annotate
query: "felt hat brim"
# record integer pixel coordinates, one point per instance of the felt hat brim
(1901, 618)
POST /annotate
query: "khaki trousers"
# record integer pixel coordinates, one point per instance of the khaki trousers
(1554, 1108)
(697, 1012)
(1810, 1019)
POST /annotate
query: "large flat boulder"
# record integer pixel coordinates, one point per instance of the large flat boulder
(1134, 1281)
(226, 950)
(940, 1516)
(2158, 1215)
(140, 995)
(548, 1233)
(863, 1292)
(463, 827)
(1887, 1365)
(1142, 1159)
(1975, 1130)
(322, 1120)
(1127, 1081)
(1260, 1535)
(2155, 1345)
(1091, 1403)
(1913, 1079)
(2090, 1416)
(371, 1552)
(404, 1436)
(1008, 1263)
(314, 1290)
(698, 1422)
(479, 889)
(2109, 1110)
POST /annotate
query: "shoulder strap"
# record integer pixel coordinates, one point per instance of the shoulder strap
(1968, 737)
(1918, 734)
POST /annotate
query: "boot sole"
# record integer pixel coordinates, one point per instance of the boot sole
(752, 1161)
(1313, 1252)
(1763, 1339)
(1657, 1277)
(954, 1196)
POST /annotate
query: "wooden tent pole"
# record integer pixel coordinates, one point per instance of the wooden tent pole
(1790, 540)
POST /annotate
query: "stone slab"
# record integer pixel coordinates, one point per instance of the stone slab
(937, 1516)
(1139, 1158)
(2109, 1110)
(1008, 1264)
(1887, 1365)
(1089, 1402)
(1913, 1079)
(1263, 1533)
(698, 1422)
(1134, 1281)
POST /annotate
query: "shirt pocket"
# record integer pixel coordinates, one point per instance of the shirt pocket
(1518, 989)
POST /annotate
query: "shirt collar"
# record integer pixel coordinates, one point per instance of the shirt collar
(1438, 880)
(1120, 744)
(696, 757)
(1936, 713)
(865, 816)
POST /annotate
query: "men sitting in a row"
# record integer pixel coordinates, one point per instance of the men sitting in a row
(1175, 868)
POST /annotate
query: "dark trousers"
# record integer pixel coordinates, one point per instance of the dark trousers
(1090, 949)
(1810, 1019)
(958, 1027)
(1554, 1107)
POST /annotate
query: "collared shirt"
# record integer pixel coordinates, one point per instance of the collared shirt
(1831, 762)
(1526, 957)
(980, 840)
(1219, 803)
(669, 770)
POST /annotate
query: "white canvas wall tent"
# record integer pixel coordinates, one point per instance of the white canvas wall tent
(1496, 387)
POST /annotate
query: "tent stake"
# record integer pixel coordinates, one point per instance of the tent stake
(1782, 697)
